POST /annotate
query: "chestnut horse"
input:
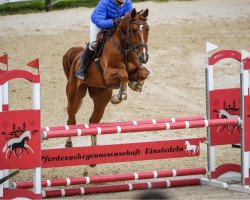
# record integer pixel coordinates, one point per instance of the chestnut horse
(123, 52)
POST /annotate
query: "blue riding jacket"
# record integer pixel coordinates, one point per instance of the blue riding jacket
(107, 10)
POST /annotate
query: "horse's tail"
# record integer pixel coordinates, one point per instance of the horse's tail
(5, 147)
(69, 57)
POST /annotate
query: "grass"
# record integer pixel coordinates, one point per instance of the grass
(39, 5)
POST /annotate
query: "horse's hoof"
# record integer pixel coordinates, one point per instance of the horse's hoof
(135, 86)
(115, 99)
(138, 88)
(93, 165)
(132, 85)
(69, 144)
(124, 96)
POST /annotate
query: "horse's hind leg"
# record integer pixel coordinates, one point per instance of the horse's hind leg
(75, 96)
(10, 153)
(101, 97)
(14, 150)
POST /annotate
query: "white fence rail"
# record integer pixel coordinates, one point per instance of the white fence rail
(12, 1)
(48, 3)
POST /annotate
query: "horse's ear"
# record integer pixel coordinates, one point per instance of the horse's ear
(133, 13)
(141, 11)
(145, 13)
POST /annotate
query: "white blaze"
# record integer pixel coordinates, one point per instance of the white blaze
(144, 48)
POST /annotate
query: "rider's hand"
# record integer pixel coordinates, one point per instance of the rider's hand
(116, 21)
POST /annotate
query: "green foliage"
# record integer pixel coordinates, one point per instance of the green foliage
(39, 5)
(21, 7)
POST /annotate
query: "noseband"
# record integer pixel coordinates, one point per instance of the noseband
(135, 47)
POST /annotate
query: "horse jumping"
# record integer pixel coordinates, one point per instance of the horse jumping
(121, 58)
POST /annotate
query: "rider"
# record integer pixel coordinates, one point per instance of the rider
(105, 16)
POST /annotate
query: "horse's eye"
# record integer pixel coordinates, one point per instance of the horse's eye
(133, 30)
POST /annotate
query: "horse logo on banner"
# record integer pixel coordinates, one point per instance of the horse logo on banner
(17, 143)
(191, 148)
(225, 115)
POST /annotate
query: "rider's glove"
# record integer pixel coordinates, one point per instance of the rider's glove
(116, 21)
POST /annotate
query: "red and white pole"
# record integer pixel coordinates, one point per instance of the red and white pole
(140, 128)
(121, 187)
(132, 122)
(112, 178)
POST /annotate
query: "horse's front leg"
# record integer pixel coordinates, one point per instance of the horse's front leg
(118, 77)
(21, 151)
(137, 79)
(28, 148)
(122, 94)
(223, 128)
(14, 150)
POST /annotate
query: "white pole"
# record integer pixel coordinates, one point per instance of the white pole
(5, 94)
(209, 87)
(245, 156)
(37, 171)
(1, 185)
(36, 96)
(6, 184)
(37, 180)
(4, 101)
(1, 109)
(1, 98)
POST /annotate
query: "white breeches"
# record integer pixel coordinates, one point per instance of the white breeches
(94, 30)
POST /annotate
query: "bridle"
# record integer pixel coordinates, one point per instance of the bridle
(136, 46)
(128, 40)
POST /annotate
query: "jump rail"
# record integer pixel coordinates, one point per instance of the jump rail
(121, 187)
(216, 100)
(112, 178)
(140, 128)
(133, 122)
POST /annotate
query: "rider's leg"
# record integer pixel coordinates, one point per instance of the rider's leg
(88, 52)
(85, 58)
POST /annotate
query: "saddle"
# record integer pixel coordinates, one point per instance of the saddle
(101, 39)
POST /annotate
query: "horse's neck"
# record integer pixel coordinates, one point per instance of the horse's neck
(227, 115)
(120, 36)
(23, 141)
(223, 112)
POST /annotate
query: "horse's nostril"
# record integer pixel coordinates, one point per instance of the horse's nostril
(140, 58)
(143, 58)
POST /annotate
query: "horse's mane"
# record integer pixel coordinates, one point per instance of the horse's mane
(124, 23)
(16, 140)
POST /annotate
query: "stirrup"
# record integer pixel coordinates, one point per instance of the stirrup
(81, 73)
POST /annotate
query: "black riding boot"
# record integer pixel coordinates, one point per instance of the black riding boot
(85, 58)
